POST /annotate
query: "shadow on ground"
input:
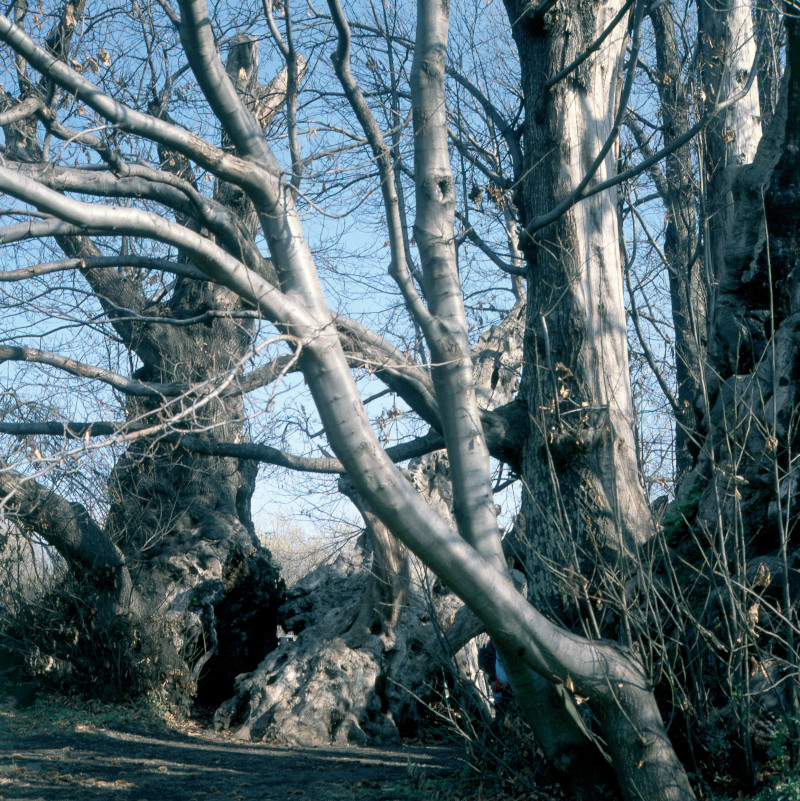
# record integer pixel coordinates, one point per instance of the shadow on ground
(138, 764)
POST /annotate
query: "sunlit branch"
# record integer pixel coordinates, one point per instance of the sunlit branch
(399, 269)
(24, 109)
(140, 182)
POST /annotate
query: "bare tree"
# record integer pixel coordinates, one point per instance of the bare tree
(169, 511)
(570, 437)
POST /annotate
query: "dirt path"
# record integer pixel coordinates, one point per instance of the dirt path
(90, 762)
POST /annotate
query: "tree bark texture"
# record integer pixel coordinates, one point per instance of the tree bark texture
(738, 503)
(179, 523)
(583, 503)
(374, 637)
(729, 50)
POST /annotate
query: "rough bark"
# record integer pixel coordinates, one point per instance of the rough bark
(185, 518)
(372, 641)
(585, 505)
(374, 629)
(733, 519)
(584, 508)
(729, 51)
(179, 522)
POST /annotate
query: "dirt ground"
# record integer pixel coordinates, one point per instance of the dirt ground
(51, 754)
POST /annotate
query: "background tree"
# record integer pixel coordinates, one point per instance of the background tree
(177, 526)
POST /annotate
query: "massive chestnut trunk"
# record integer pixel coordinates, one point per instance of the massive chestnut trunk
(374, 634)
(176, 560)
(738, 504)
(374, 638)
(183, 519)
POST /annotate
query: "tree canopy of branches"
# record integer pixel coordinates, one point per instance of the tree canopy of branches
(217, 215)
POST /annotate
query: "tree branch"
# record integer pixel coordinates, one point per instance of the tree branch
(101, 262)
(383, 158)
(128, 386)
(140, 182)
(432, 441)
(24, 109)
(64, 525)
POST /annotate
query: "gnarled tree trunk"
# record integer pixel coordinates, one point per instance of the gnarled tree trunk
(178, 544)
(738, 504)
(375, 638)
(374, 629)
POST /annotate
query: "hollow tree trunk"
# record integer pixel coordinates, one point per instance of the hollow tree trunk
(374, 635)
(179, 532)
(185, 519)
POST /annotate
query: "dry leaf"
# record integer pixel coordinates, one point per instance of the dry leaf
(752, 618)
(763, 576)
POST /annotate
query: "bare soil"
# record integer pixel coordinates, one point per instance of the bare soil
(67, 753)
